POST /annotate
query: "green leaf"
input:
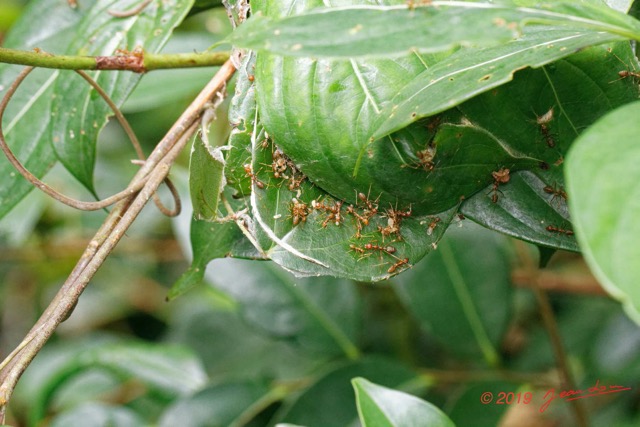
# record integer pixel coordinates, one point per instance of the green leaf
(166, 369)
(620, 5)
(210, 240)
(383, 407)
(524, 210)
(604, 202)
(216, 405)
(313, 233)
(240, 350)
(206, 178)
(78, 114)
(26, 122)
(245, 127)
(572, 93)
(374, 30)
(54, 104)
(171, 370)
(98, 415)
(471, 71)
(461, 293)
(615, 349)
(382, 30)
(333, 390)
(318, 314)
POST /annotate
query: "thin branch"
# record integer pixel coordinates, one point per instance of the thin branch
(551, 326)
(538, 380)
(554, 282)
(137, 61)
(119, 220)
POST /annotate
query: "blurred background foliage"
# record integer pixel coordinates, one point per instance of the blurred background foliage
(256, 346)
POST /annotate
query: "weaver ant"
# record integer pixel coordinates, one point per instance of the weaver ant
(248, 170)
(499, 177)
(554, 229)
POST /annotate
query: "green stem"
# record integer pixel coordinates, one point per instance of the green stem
(136, 61)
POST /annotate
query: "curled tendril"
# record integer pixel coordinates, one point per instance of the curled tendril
(77, 204)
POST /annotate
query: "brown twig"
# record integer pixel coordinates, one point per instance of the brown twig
(554, 282)
(119, 220)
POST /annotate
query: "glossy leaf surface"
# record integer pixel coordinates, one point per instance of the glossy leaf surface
(380, 406)
(445, 294)
(382, 30)
(216, 405)
(602, 176)
(56, 114)
(77, 113)
(540, 114)
(333, 390)
(317, 314)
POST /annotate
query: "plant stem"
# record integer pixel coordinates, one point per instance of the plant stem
(555, 282)
(137, 61)
(155, 170)
(551, 326)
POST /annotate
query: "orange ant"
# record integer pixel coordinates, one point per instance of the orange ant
(374, 247)
(556, 192)
(499, 177)
(425, 158)
(334, 212)
(543, 121)
(398, 264)
(279, 164)
(432, 225)
(389, 250)
(299, 211)
(371, 208)
(554, 229)
(254, 179)
(625, 73)
(394, 219)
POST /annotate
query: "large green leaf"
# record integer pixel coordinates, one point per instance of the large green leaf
(78, 114)
(603, 178)
(524, 210)
(216, 405)
(382, 30)
(318, 314)
(471, 71)
(461, 293)
(577, 91)
(217, 238)
(380, 406)
(166, 369)
(206, 178)
(57, 109)
(333, 390)
(240, 351)
(98, 415)
(314, 233)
